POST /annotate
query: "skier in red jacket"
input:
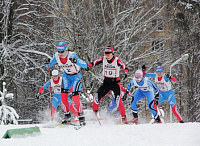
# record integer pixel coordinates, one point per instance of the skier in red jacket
(111, 68)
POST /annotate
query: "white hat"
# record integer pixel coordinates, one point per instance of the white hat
(54, 72)
(138, 73)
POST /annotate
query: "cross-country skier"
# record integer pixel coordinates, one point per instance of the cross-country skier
(111, 68)
(163, 81)
(55, 83)
(71, 64)
(146, 89)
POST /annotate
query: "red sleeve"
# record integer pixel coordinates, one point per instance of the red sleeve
(41, 90)
(124, 67)
(174, 79)
(96, 62)
(144, 72)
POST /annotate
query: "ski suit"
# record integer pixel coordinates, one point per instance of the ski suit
(71, 77)
(146, 89)
(166, 92)
(112, 105)
(111, 81)
(56, 99)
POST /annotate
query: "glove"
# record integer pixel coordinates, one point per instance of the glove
(168, 76)
(48, 61)
(73, 60)
(37, 95)
(156, 101)
(156, 98)
(144, 68)
(88, 68)
(125, 76)
(125, 95)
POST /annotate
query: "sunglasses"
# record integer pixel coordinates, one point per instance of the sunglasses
(108, 54)
(139, 78)
(61, 51)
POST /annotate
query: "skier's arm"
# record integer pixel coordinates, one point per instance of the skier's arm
(52, 62)
(96, 62)
(152, 75)
(153, 85)
(46, 85)
(79, 61)
(130, 85)
(167, 78)
(156, 95)
(124, 67)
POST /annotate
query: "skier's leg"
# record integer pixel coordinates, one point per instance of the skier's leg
(66, 84)
(150, 97)
(172, 102)
(102, 91)
(72, 107)
(135, 98)
(54, 104)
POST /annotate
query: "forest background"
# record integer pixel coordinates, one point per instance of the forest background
(156, 32)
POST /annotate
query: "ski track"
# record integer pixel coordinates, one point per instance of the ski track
(170, 134)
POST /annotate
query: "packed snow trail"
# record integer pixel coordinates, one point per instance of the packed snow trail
(169, 134)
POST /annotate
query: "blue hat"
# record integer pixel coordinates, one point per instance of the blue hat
(62, 46)
(159, 69)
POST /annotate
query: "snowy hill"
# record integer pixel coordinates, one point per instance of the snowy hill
(170, 134)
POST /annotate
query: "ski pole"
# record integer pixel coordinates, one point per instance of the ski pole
(86, 93)
(95, 76)
(50, 89)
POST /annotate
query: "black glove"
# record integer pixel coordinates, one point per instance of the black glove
(88, 68)
(125, 95)
(48, 60)
(37, 95)
(73, 60)
(144, 68)
(156, 98)
(168, 76)
(125, 76)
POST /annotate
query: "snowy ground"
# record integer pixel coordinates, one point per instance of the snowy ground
(175, 134)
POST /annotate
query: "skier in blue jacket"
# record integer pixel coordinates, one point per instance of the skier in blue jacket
(71, 64)
(163, 81)
(146, 89)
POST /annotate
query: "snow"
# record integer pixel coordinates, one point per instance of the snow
(109, 134)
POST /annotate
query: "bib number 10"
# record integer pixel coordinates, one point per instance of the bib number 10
(108, 72)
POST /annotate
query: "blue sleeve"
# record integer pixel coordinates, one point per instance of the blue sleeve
(130, 85)
(166, 79)
(79, 62)
(52, 62)
(46, 85)
(152, 75)
(153, 85)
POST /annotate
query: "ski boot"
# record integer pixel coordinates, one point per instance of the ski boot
(124, 120)
(81, 118)
(135, 118)
(67, 118)
(157, 120)
(181, 121)
(134, 121)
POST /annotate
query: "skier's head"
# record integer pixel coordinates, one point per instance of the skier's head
(139, 75)
(109, 52)
(159, 71)
(54, 73)
(62, 48)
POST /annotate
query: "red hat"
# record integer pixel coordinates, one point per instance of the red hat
(109, 49)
